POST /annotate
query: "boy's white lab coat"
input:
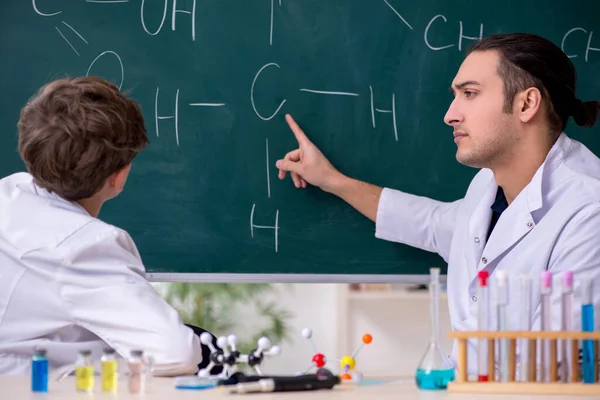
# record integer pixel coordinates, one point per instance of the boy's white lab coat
(69, 281)
(553, 224)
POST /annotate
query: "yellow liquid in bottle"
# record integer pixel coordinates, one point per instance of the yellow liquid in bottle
(84, 378)
(109, 376)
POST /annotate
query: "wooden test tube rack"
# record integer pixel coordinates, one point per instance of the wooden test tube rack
(576, 387)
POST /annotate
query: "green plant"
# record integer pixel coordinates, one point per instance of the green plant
(213, 306)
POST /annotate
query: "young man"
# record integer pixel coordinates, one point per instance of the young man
(69, 281)
(535, 204)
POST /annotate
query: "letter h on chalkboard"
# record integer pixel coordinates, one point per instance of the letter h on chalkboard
(391, 111)
(275, 227)
(160, 117)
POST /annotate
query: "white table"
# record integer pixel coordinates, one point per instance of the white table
(18, 388)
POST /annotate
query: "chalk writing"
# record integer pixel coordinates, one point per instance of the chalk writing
(174, 12)
(67, 40)
(162, 117)
(271, 30)
(274, 227)
(207, 104)
(372, 106)
(392, 111)
(268, 166)
(162, 22)
(398, 14)
(37, 10)
(461, 34)
(77, 33)
(588, 47)
(576, 42)
(118, 59)
(252, 94)
(330, 93)
(192, 13)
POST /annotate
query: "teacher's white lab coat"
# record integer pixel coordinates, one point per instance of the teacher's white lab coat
(553, 224)
(69, 281)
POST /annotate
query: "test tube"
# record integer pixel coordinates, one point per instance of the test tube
(502, 304)
(483, 323)
(587, 325)
(566, 325)
(525, 324)
(546, 292)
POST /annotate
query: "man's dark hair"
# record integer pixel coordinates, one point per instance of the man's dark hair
(528, 60)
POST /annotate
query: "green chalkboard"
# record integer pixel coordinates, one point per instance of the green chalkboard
(215, 78)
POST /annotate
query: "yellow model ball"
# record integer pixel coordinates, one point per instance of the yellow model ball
(348, 362)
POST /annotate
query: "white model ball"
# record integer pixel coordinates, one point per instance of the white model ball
(264, 343)
(307, 333)
(232, 339)
(206, 338)
(222, 342)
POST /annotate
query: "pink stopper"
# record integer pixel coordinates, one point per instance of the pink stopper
(547, 279)
(483, 278)
(568, 278)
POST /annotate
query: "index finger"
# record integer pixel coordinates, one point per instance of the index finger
(298, 132)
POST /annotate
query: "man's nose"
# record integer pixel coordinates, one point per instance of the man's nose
(453, 116)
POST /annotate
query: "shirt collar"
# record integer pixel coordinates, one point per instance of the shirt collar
(556, 156)
(57, 200)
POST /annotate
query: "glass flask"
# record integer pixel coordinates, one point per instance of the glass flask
(435, 370)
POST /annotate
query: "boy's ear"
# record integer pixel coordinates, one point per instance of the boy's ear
(119, 178)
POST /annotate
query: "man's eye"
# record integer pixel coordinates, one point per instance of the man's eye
(468, 93)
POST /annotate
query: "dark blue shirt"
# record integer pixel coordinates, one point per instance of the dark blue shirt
(500, 204)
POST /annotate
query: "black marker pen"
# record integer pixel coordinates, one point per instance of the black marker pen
(287, 384)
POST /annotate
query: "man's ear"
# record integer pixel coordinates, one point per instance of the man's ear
(528, 104)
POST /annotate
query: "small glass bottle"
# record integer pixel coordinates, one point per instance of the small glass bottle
(110, 371)
(137, 372)
(39, 371)
(435, 370)
(84, 372)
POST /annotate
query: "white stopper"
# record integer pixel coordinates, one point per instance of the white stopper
(501, 277)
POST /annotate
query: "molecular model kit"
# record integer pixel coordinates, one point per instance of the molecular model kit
(227, 355)
(347, 363)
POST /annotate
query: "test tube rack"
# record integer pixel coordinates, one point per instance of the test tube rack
(575, 387)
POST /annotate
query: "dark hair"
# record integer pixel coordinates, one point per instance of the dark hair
(76, 132)
(528, 60)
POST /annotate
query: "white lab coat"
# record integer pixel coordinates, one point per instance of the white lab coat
(553, 224)
(69, 281)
